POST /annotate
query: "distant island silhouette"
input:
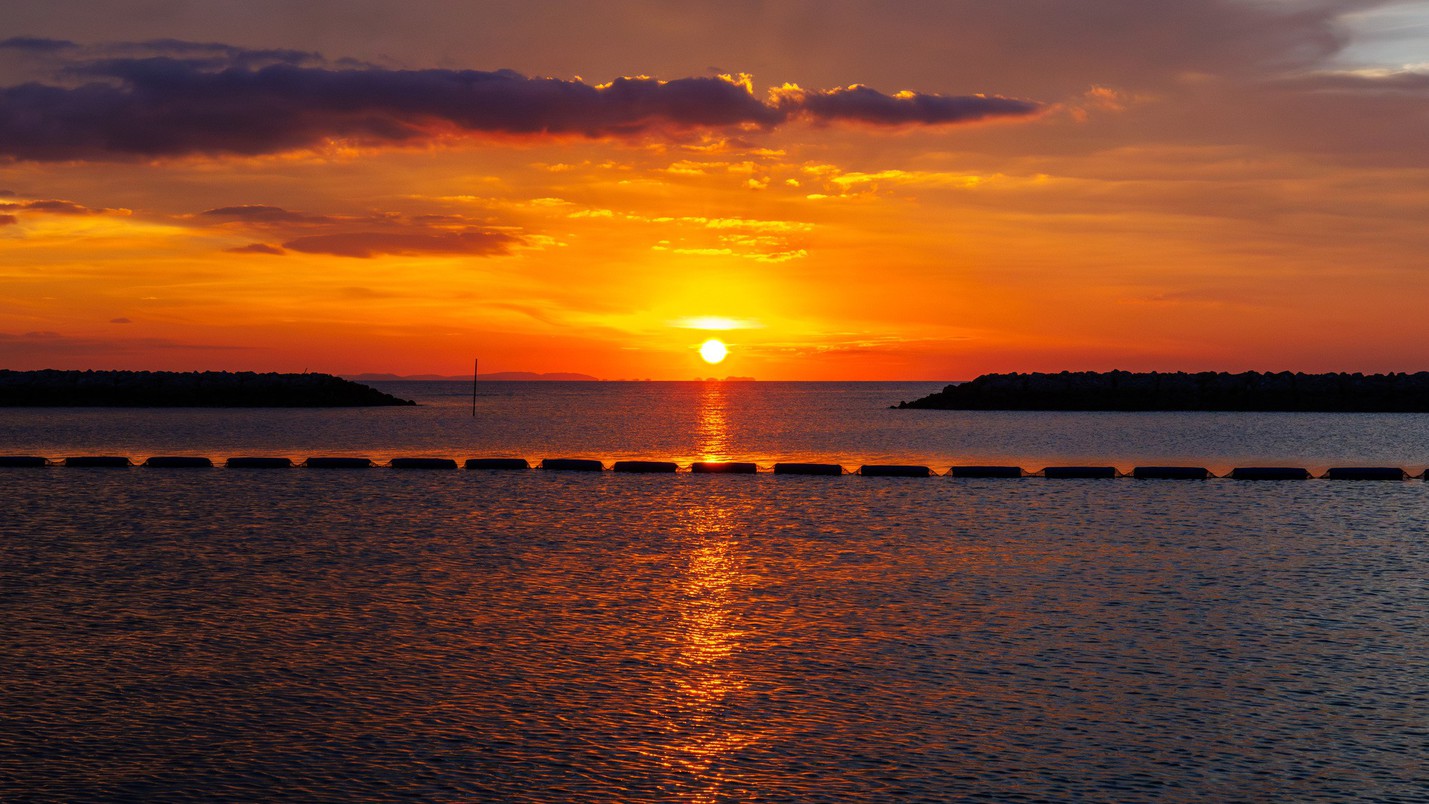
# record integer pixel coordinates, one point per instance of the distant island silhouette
(499, 376)
(186, 389)
(1131, 391)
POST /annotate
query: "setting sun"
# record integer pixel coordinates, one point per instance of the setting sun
(713, 350)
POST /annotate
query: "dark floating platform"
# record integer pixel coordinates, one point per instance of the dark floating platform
(646, 467)
(1171, 473)
(724, 467)
(497, 463)
(1366, 473)
(894, 470)
(808, 469)
(258, 462)
(1269, 473)
(338, 463)
(1145, 391)
(572, 465)
(20, 461)
(98, 461)
(179, 389)
(179, 462)
(1080, 472)
(422, 463)
(985, 471)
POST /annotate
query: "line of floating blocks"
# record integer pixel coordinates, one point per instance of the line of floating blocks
(722, 467)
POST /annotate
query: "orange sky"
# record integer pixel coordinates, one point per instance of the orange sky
(1135, 185)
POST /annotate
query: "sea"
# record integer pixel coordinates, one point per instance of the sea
(540, 636)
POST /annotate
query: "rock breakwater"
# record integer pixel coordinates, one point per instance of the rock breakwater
(236, 389)
(1145, 391)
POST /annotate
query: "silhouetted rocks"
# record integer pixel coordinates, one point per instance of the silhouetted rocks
(1125, 390)
(230, 389)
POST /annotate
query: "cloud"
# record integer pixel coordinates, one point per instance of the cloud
(215, 99)
(860, 104)
(262, 213)
(35, 44)
(8, 220)
(256, 248)
(57, 207)
(120, 321)
(371, 244)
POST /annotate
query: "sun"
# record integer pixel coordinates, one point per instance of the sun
(713, 350)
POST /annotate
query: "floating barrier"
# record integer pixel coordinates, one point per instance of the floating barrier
(1170, 473)
(338, 463)
(1366, 473)
(422, 463)
(179, 462)
(985, 471)
(98, 461)
(17, 461)
(646, 467)
(497, 463)
(572, 465)
(1079, 472)
(258, 462)
(893, 470)
(808, 469)
(1269, 473)
(724, 467)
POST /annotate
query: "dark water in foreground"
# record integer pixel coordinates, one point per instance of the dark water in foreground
(378, 635)
(545, 637)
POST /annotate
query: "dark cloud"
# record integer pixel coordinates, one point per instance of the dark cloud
(257, 248)
(35, 44)
(864, 105)
(372, 244)
(262, 213)
(53, 207)
(120, 321)
(7, 220)
(214, 101)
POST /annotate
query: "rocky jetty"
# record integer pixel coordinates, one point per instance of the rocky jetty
(186, 389)
(1209, 390)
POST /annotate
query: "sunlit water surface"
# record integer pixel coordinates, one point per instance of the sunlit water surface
(538, 636)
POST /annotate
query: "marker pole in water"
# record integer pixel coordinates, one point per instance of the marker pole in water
(475, 364)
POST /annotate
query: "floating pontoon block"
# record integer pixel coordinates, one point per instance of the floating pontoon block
(1079, 472)
(724, 467)
(179, 462)
(1366, 473)
(808, 469)
(893, 470)
(497, 463)
(17, 461)
(258, 462)
(572, 465)
(1269, 473)
(985, 471)
(1170, 473)
(102, 461)
(645, 467)
(338, 463)
(422, 463)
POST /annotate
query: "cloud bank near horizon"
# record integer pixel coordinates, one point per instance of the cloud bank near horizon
(180, 99)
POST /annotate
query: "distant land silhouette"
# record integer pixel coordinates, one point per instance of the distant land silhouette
(208, 389)
(1127, 391)
(528, 376)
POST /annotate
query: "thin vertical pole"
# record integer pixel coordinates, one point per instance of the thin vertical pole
(475, 364)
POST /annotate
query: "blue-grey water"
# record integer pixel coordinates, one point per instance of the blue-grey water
(381, 635)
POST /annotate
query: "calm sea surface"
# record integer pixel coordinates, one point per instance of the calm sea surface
(383, 635)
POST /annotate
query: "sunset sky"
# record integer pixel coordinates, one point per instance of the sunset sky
(837, 190)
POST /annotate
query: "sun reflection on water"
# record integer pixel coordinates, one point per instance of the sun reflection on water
(712, 426)
(707, 663)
